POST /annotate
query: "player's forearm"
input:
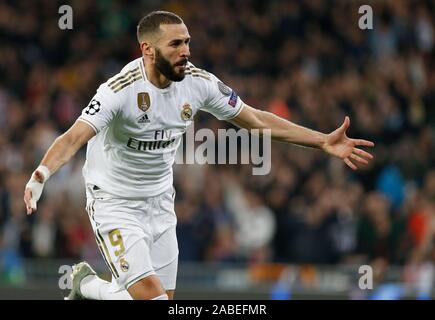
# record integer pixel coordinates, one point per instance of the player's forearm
(287, 131)
(60, 152)
(62, 149)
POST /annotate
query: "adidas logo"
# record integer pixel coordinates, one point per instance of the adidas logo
(144, 119)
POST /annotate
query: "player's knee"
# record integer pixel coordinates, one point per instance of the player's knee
(170, 294)
(147, 288)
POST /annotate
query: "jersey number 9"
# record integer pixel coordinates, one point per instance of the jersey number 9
(116, 241)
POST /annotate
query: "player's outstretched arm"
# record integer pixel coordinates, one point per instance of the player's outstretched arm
(62, 149)
(335, 143)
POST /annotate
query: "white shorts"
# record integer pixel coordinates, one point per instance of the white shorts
(137, 238)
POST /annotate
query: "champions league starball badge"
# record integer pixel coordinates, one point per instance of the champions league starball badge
(93, 107)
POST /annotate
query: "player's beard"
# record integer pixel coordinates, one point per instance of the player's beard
(167, 69)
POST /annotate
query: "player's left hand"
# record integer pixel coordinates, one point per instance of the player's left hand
(341, 146)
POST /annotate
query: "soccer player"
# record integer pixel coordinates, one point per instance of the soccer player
(133, 126)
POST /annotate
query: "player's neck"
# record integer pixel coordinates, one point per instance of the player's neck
(155, 77)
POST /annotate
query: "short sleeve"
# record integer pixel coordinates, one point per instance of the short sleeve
(102, 108)
(221, 101)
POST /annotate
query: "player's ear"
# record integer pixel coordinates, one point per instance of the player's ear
(147, 49)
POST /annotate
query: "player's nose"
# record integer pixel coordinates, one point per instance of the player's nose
(185, 51)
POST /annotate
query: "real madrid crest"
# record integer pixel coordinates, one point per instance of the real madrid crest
(124, 264)
(186, 113)
(143, 101)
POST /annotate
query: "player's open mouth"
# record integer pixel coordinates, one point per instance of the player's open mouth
(182, 64)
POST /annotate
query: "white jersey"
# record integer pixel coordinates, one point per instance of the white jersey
(139, 127)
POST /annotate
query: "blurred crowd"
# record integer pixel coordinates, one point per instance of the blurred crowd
(307, 61)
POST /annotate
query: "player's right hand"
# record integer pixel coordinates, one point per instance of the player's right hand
(34, 187)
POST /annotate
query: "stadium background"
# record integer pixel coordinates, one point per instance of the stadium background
(300, 232)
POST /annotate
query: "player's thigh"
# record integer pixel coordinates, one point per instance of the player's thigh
(164, 257)
(147, 288)
(123, 241)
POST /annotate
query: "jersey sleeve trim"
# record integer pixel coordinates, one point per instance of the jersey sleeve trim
(88, 123)
(238, 112)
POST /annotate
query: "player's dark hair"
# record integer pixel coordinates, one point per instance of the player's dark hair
(152, 21)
